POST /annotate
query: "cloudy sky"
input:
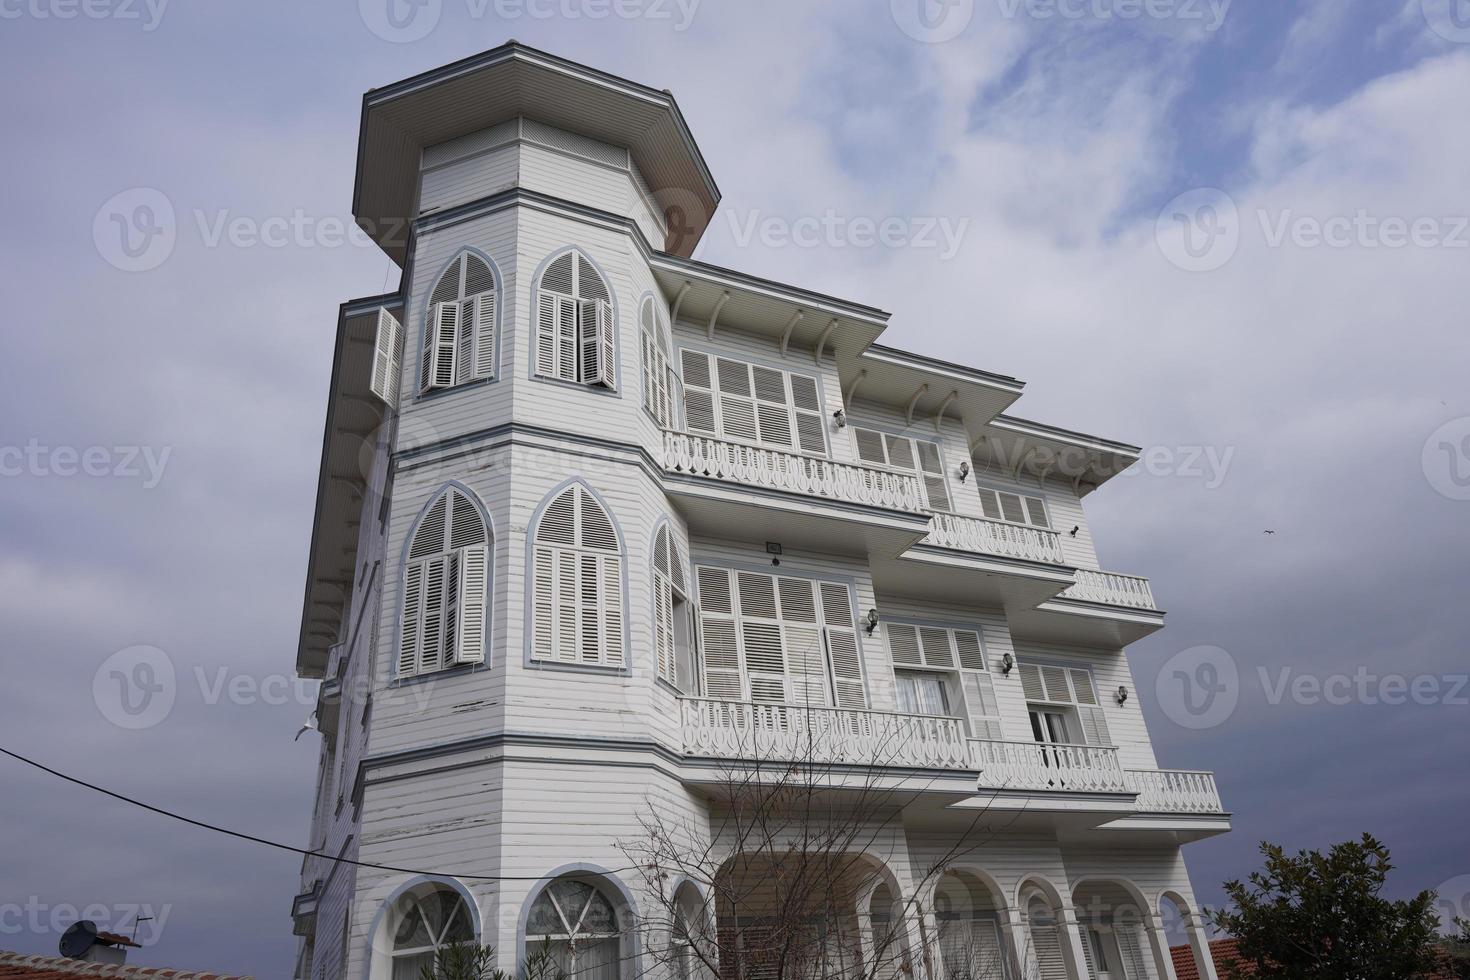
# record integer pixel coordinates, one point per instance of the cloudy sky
(1232, 233)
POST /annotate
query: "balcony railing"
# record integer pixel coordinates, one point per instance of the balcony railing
(760, 466)
(1175, 791)
(976, 534)
(791, 733)
(1111, 589)
(1034, 766)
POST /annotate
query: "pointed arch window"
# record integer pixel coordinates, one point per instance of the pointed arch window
(445, 588)
(578, 928)
(659, 382)
(577, 583)
(459, 338)
(576, 337)
(673, 618)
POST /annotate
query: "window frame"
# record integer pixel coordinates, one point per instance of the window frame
(971, 689)
(656, 351)
(1023, 497)
(459, 375)
(454, 562)
(718, 396)
(607, 607)
(668, 586)
(604, 319)
(916, 468)
(1077, 712)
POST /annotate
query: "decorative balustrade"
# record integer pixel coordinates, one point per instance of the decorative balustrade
(793, 472)
(1175, 791)
(1111, 589)
(977, 534)
(1037, 766)
(791, 733)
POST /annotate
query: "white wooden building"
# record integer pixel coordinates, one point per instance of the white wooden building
(542, 598)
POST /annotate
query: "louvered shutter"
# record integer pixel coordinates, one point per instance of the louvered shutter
(718, 642)
(1036, 512)
(811, 430)
(990, 503)
(387, 358)
(483, 309)
(935, 643)
(1046, 946)
(931, 467)
(1130, 944)
(474, 576)
(761, 644)
(699, 399)
(589, 343)
(544, 605)
(903, 645)
(411, 627)
(566, 339)
(900, 451)
(1094, 723)
(842, 647)
(438, 370)
(978, 686)
(1087, 952)
(431, 648)
(612, 610)
(546, 335)
(773, 417)
(1031, 683)
(737, 406)
(870, 446)
(607, 339)
(806, 663)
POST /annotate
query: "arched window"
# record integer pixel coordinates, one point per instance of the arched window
(672, 618)
(576, 338)
(445, 588)
(459, 338)
(658, 378)
(576, 925)
(423, 922)
(578, 583)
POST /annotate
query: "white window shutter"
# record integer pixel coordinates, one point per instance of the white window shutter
(931, 465)
(431, 647)
(566, 339)
(543, 605)
(589, 343)
(413, 612)
(438, 370)
(387, 358)
(474, 575)
(607, 338)
(484, 320)
(612, 610)
(546, 335)
(981, 704)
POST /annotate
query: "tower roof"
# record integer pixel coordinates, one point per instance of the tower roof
(513, 80)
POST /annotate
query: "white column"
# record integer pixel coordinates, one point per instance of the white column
(1017, 940)
(1070, 934)
(1158, 944)
(1199, 941)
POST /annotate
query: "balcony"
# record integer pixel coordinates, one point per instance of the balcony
(765, 733)
(792, 497)
(958, 532)
(1112, 589)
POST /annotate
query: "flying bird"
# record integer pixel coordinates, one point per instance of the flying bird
(310, 726)
(1268, 532)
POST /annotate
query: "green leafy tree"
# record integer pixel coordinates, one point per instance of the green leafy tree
(1321, 917)
(469, 961)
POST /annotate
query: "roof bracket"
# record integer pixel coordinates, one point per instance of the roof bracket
(790, 326)
(679, 301)
(949, 399)
(715, 314)
(852, 388)
(914, 401)
(822, 341)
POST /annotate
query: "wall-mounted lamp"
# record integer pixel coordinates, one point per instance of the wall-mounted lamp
(1007, 664)
(1122, 695)
(1075, 529)
(774, 550)
(964, 470)
(872, 621)
(840, 417)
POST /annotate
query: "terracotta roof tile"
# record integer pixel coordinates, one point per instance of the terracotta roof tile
(19, 966)
(1225, 953)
